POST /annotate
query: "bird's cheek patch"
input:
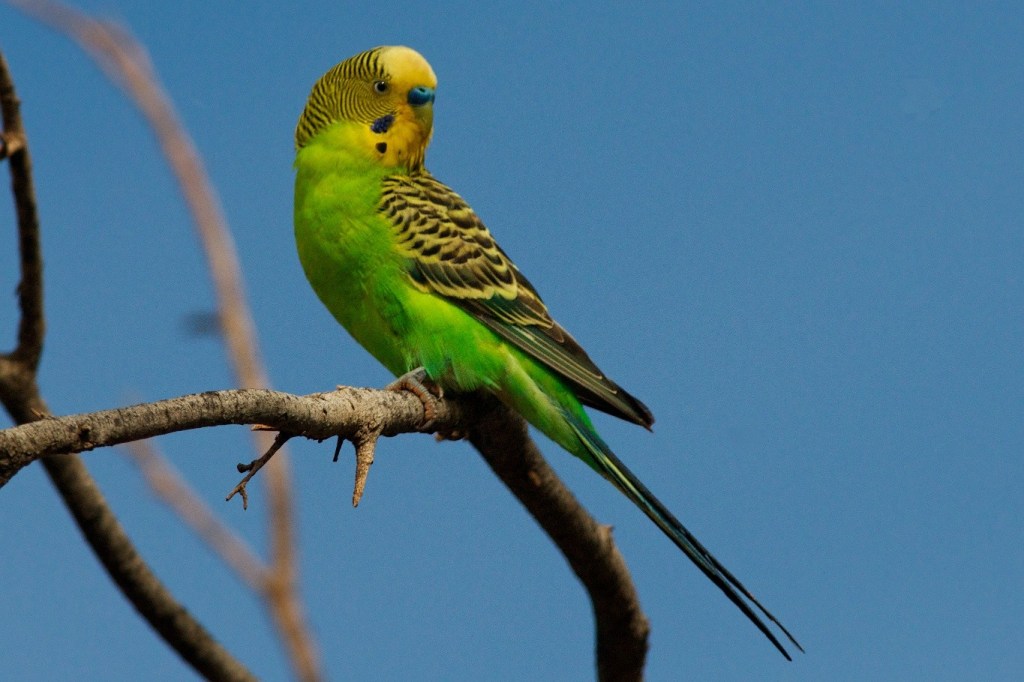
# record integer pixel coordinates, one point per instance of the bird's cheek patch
(382, 124)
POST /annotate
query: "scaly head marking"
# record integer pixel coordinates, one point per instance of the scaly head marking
(389, 91)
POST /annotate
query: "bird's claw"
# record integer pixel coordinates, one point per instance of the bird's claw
(419, 384)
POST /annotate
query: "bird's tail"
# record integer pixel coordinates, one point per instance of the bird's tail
(609, 466)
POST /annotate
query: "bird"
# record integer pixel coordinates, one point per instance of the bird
(407, 267)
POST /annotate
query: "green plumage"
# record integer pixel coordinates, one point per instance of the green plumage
(407, 267)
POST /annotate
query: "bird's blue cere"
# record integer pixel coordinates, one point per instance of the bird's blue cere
(421, 95)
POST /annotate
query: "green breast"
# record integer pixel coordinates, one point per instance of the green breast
(347, 250)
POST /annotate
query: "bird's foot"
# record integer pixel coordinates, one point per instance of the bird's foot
(419, 384)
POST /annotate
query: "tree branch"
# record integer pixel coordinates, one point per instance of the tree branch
(500, 436)
(168, 486)
(319, 416)
(14, 147)
(125, 61)
(622, 628)
(155, 603)
(19, 394)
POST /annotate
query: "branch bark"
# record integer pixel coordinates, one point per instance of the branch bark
(14, 147)
(500, 437)
(319, 416)
(622, 628)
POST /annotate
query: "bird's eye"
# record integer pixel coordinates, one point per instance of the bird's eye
(380, 86)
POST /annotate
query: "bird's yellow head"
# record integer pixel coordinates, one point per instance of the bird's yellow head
(388, 92)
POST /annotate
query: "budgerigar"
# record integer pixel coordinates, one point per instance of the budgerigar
(407, 267)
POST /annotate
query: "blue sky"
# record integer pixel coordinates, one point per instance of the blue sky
(795, 232)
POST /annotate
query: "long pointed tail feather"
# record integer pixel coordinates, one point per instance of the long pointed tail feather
(615, 471)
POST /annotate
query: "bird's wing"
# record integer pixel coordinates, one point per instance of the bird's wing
(452, 254)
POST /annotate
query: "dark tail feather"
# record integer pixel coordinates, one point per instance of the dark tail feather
(615, 471)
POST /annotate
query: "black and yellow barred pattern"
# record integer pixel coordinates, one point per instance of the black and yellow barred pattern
(345, 92)
(451, 253)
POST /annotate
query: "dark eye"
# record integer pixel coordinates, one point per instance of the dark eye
(380, 86)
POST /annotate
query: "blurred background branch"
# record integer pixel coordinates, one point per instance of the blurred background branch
(125, 61)
(20, 396)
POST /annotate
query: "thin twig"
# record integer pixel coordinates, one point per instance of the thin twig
(366, 446)
(31, 325)
(254, 466)
(169, 486)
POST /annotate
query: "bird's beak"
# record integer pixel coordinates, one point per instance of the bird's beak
(421, 98)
